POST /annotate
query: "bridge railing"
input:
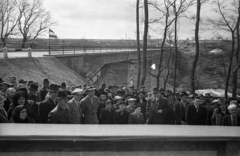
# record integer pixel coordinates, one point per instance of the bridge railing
(66, 50)
(55, 139)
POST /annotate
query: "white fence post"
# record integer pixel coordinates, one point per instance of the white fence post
(29, 52)
(5, 52)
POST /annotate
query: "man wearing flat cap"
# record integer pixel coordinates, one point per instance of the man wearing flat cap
(89, 106)
(74, 106)
(60, 114)
(46, 106)
(232, 119)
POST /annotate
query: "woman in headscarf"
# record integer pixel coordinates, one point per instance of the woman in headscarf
(9, 99)
(3, 113)
(19, 115)
(19, 98)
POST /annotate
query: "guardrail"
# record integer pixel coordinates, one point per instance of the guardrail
(55, 139)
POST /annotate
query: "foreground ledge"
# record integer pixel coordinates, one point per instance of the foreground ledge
(118, 139)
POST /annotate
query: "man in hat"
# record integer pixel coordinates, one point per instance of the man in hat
(89, 106)
(44, 90)
(107, 113)
(74, 106)
(219, 112)
(103, 97)
(46, 106)
(232, 119)
(60, 114)
(64, 88)
(141, 101)
(196, 114)
(163, 110)
(136, 117)
(151, 108)
(34, 99)
(121, 115)
(181, 107)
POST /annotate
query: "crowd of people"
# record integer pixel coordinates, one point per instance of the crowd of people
(30, 102)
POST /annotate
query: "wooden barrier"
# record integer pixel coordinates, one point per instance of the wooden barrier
(49, 139)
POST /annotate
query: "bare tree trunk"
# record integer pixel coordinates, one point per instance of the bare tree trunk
(168, 68)
(176, 55)
(194, 66)
(229, 67)
(235, 71)
(138, 46)
(144, 74)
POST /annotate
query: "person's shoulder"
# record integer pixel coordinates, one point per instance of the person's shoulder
(54, 111)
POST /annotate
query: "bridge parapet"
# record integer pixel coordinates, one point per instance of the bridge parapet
(55, 139)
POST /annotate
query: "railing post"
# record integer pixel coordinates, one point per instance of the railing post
(29, 52)
(49, 50)
(5, 52)
(74, 49)
(63, 49)
(100, 49)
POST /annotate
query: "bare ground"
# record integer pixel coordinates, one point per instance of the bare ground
(37, 69)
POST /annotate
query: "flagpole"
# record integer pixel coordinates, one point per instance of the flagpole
(49, 42)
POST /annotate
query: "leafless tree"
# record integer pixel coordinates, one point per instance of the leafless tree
(35, 20)
(138, 44)
(168, 20)
(237, 56)
(144, 64)
(195, 61)
(179, 7)
(227, 22)
(8, 19)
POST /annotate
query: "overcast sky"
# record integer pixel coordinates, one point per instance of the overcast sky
(107, 19)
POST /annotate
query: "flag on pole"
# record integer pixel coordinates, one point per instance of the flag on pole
(52, 34)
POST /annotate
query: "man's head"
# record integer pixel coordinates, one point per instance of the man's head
(232, 109)
(103, 96)
(138, 109)
(33, 88)
(141, 94)
(184, 96)
(131, 101)
(90, 90)
(103, 86)
(197, 101)
(46, 83)
(108, 104)
(13, 79)
(78, 94)
(53, 90)
(5, 86)
(63, 86)
(156, 93)
(62, 99)
(122, 105)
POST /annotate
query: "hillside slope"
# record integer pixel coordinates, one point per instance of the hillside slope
(37, 69)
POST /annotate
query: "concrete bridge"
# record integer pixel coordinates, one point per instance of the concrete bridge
(112, 67)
